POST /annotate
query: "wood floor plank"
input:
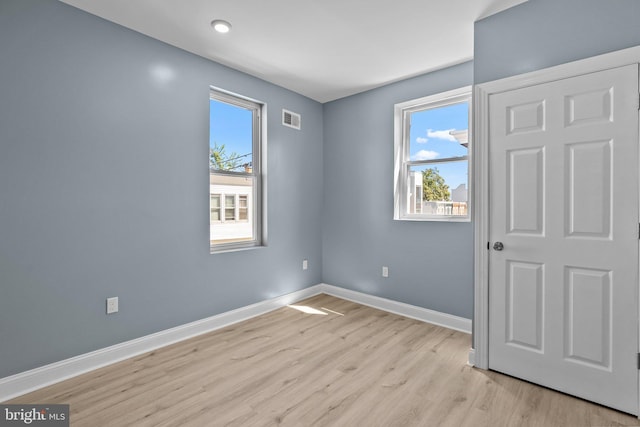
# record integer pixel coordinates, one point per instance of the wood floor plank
(346, 365)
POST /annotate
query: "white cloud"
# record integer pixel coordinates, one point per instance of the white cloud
(441, 134)
(421, 140)
(425, 155)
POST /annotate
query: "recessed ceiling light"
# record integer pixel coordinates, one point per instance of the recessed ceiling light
(221, 26)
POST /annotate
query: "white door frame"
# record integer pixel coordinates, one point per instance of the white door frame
(479, 354)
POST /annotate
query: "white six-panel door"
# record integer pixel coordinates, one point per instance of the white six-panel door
(563, 302)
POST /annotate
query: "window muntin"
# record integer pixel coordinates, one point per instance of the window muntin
(235, 145)
(432, 157)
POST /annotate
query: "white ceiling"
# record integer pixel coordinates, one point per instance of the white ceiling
(323, 49)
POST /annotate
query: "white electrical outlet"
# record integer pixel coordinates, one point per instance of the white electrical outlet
(112, 305)
(305, 264)
(385, 271)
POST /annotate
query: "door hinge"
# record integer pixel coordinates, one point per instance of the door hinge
(488, 245)
(638, 360)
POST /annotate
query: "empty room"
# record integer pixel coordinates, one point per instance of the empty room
(415, 213)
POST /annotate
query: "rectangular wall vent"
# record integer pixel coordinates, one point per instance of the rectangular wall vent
(291, 119)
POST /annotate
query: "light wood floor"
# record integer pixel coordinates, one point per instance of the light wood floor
(349, 365)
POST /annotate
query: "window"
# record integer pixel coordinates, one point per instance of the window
(229, 208)
(215, 208)
(431, 147)
(235, 172)
(243, 207)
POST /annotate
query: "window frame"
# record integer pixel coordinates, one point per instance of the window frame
(257, 204)
(402, 145)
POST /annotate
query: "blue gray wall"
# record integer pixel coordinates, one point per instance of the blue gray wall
(543, 33)
(104, 187)
(430, 263)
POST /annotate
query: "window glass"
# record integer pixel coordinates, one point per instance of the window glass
(235, 172)
(433, 132)
(231, 137)
(432, 157)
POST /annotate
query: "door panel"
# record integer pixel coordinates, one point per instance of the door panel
(563, 293)
(589, 107)
(588, 316)
(528, 117)
(588, 180)
(525, 290)
(526, 191)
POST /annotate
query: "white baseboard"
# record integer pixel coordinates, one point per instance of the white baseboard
(407, 310)
(25, 382)
(472, 357)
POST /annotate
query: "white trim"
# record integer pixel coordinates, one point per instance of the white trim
(25, 382)
(563, 71)
(480, 197)
(481, 188)
(34, 379)
(414, 312)
(471, 361)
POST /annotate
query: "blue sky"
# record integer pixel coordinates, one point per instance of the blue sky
(430, 139)
(231, 126)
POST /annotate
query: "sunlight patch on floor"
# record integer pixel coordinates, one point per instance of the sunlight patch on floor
(331, 311)
(307, 309)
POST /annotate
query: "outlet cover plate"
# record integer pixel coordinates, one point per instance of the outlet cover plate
(385, 271)
(112, 305)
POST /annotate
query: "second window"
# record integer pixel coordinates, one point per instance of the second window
(432, 157)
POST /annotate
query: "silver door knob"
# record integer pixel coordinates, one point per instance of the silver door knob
(498, 246)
